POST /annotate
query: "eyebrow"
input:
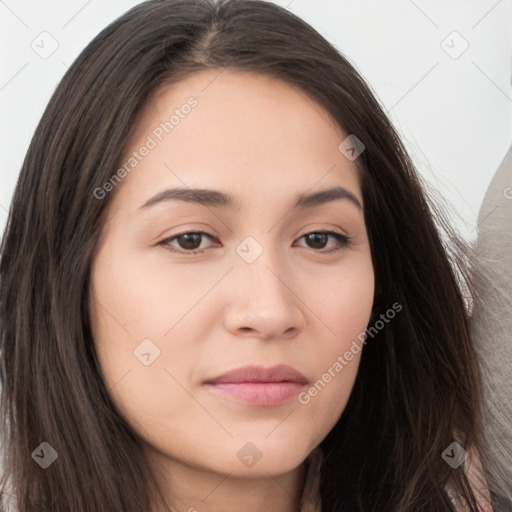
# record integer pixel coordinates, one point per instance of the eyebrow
(215, 198)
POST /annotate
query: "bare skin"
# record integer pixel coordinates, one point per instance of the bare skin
(263, 142)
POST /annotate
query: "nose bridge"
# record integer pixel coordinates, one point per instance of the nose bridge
(259, 265)
(264, 300)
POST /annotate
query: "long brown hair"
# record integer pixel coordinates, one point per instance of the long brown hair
(418, 387)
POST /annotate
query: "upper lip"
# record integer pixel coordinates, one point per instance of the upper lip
(255, 373)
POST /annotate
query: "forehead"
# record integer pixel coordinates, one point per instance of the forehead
(234, 130)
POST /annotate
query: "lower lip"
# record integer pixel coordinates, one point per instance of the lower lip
(259, 393)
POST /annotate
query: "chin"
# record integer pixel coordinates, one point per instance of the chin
(259, 456)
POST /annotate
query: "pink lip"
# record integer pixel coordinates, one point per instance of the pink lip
(258, 385)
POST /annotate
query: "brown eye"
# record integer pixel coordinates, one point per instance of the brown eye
(318, 240)
(188, 243)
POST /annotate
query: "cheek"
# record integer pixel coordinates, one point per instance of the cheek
(133, 299)
(143, 336)
(343, 306)
(326, 398)
(124, 313)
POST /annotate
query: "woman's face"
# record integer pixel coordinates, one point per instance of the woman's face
(266, 287)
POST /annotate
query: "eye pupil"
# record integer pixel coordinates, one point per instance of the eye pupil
(315, 237)
(191, 240)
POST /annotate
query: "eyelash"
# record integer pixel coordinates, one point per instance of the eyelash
(343, 240)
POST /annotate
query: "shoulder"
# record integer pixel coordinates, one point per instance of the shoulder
(474, 471)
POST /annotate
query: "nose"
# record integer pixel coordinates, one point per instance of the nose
(263, 303)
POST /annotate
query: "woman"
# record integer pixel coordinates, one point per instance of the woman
(223, 287)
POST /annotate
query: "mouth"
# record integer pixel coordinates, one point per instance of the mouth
(257, 385)
(259, 393)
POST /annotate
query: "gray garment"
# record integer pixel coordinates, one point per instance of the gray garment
(492, 324)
